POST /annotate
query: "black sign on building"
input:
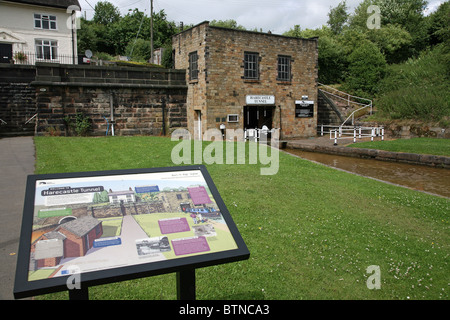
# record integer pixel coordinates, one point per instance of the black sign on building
(304, 109)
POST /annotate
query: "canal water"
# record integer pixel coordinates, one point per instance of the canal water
(422, 178)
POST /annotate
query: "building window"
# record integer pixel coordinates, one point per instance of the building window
(284, 68)
(251, 65)
(47, 49)
(42, 21)
(179, 196)
(232, 118)
(193, 66)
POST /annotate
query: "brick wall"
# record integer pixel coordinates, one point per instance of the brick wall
(221, 90)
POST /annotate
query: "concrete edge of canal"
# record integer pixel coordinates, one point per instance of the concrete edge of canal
(382, 155)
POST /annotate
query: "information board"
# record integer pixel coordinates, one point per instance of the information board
(304, 109)
(112, 226)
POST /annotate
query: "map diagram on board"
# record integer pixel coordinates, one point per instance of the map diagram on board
(97, 223)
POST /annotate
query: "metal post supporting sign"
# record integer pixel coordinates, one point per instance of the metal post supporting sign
(186, 284)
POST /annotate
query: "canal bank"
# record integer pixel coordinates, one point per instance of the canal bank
(423, 173)
(326, 145)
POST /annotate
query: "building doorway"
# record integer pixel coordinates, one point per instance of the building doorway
(5, 52)
(255, 117)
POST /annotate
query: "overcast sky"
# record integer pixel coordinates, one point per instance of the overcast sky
(278, 16)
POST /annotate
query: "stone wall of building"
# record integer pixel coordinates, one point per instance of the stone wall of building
(192, 40)
(221, 88)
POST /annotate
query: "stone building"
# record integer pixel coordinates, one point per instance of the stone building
(247, 80)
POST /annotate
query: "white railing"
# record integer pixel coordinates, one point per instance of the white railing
(352, 132)
(30, 58)
(349, 99)
(2, 122)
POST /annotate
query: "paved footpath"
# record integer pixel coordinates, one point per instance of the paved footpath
(16, 162)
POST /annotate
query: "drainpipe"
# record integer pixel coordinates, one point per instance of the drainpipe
(73, 36)
(111, 104)
(163, 107)
(281, 128)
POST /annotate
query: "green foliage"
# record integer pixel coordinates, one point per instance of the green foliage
(167, 58)
(337, 17)
(101, 197)
(112, 34)
(106, 13)
(418, 88)
(438, 147)
(230, 24)
(311, 240)
(367, 66)
(139, 50)
(392, 40)
(80, 125)
(439, 24)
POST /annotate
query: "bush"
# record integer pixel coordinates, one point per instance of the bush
(367, 67)
(81, 126)
(139, 50)
(418, 88)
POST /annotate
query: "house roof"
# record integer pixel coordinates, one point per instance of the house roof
(120, 193)
(55, 235)
(63, 4)
(81, 226)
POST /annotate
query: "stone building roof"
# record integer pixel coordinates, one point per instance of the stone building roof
(81, 226)
(55, 235)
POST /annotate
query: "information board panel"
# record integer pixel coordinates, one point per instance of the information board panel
(112, 226)
(304, 109)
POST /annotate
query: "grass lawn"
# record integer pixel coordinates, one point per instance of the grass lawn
(438, 147)
(312, 231)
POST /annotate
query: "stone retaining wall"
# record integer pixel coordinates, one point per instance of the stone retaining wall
(412, 158)
(145, 101)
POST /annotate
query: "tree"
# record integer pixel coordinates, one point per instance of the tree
(294, 32)
(358, 20)
(139, 50)
(409, 15)
(337, 17)
(332, 61)
(106, 13)
(367, 67)
(393, 41)
(332, 56)
(137, 25)
(439, 24)
(230, 24)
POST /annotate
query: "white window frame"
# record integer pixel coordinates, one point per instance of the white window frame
(233, 118)
(46, 43)
(40, 18)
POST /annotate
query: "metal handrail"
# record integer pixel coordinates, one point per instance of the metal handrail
(345, 93)
(29, 120)
(2, 122)
(352, 115)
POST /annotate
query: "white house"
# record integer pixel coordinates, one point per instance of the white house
(38, 30)
(121, 196)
